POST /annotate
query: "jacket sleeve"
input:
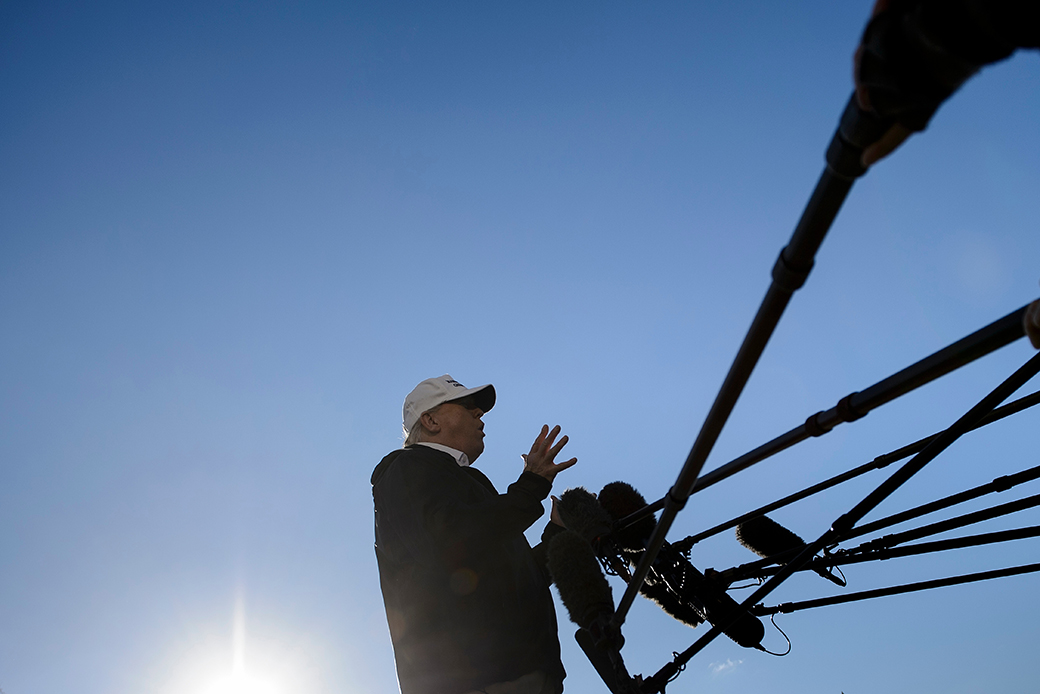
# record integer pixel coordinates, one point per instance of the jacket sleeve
(436, 508)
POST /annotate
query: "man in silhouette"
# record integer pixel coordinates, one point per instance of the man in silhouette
(467, 599)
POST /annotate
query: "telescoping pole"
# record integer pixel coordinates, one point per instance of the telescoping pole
(845, 523)
(856, 131)
(858, 404)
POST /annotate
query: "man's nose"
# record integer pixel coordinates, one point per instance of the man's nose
(477, 412)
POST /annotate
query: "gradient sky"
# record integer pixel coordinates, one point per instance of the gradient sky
(234, 235)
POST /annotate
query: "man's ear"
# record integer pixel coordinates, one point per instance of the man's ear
(429, 423)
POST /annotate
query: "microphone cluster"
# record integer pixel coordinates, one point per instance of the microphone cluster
(673, 582)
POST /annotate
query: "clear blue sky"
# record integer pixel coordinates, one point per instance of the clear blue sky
(234, 235)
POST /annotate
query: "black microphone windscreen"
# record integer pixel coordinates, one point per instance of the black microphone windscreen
(584, 590)
(693, 590)
(677, 607)
(582, 513)
(765, 537)
(620, 499)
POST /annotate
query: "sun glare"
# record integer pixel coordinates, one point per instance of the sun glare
(239, 682)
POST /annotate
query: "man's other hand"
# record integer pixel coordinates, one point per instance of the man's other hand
(541, 459)
(554, 514)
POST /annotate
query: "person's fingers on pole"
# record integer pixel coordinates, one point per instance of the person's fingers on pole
(862, 93)
(1031, 322)
(892, 138)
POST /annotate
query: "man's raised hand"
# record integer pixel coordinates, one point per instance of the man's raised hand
(543, 452)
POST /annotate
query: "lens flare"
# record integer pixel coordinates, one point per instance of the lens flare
(239, 682)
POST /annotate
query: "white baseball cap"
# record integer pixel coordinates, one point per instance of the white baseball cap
(434, 391)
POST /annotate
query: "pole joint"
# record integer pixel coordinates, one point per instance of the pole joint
(789, 278)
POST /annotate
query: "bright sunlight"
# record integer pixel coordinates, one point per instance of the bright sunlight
(239, 681)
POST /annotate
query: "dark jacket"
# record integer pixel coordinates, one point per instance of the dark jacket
(466, 601)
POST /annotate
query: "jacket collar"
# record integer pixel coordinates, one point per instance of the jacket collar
(461, 458)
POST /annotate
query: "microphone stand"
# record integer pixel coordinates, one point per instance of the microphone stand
(844, 524)
(857, 404)
(927, 547)
(856, 131)
(1000, 484)
(878, 463)
(889, 550)
(785, 608)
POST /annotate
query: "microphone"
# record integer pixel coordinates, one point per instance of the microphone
(586, 595)
(620, 499)
(583, 514)
(673, 582)
(575, 571)
(695, 592)
(767, 538)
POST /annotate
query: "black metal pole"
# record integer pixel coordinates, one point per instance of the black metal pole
(856, 130)
(952, 523)
(846, 522)
(785, 608)
(927, 547)
(839, 559)
(657, 682)
(758, 568)
(857, 404)
(878, 463)
(1000, 484)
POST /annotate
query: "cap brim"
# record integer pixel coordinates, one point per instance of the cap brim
(484, 396)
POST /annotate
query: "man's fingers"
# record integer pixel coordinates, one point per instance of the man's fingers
(545, 439)
(544, 451)
(539, 439)
(862, 93)
(559, 446)
(552, 436)
(565, 464)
